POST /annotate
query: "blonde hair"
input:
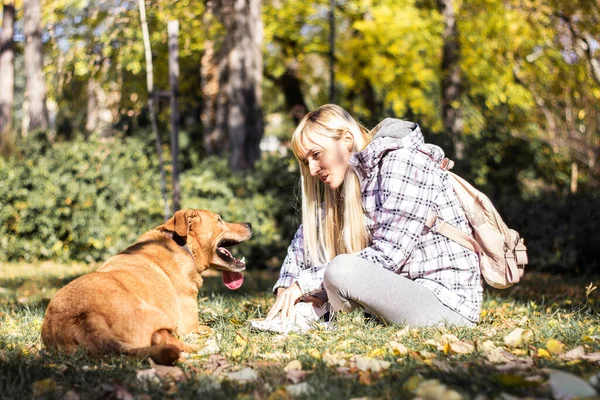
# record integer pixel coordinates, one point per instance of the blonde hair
(340, 226)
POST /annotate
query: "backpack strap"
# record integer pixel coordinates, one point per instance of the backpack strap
(452, 233)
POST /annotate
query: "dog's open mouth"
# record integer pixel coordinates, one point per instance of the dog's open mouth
(232, 277)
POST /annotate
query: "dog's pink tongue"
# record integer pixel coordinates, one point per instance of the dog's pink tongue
(233, 280)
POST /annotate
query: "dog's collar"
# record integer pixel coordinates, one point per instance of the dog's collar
(180, 242)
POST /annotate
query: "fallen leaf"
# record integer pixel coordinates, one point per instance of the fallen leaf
(565, 385)
(166, 372)
(314, 353)
(244, 375)
(593, 357)
(574, 354)
(515, 381)
(433, 389)
(217, 363)
(366, 378)
(398, 349)
(555, 347)
(293, 365)
(413, 383)
(403, 332)
(43, 387)
(210, 347)
(517, 337)
(370, 364)
(543, 353)
(334, 359)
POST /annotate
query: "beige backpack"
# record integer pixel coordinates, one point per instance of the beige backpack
(502, 254)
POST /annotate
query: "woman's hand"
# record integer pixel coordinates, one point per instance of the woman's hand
(286, 299)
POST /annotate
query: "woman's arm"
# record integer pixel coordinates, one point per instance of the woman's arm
(293, 263)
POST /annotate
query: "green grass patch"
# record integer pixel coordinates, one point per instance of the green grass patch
(553, 313)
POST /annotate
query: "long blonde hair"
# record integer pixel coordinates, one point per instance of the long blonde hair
(340, 226)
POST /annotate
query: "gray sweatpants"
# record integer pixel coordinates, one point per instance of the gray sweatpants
(353, 282)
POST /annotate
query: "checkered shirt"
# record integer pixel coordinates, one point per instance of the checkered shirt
(400, 182)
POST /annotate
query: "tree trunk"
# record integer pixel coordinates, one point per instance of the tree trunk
(231, 83)
(290, 85)
(214, 79)
(34, 65)
(331, 51)
(173, 33)
(451, 79)
(245, 119)
(7, 77)
(151, 111)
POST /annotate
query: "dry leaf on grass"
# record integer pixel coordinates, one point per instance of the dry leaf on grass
(432, 389)
(217, 363)
(244, 375)
(517, 337)
(369, 364)
(293, 365)
(398, 349)
(334, 359)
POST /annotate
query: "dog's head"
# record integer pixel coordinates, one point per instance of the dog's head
(207, 237)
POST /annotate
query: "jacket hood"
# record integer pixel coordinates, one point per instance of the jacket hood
(389, 135)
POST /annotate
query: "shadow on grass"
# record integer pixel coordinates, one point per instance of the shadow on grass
(560, 291)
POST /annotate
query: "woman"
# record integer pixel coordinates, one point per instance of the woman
(363, 240)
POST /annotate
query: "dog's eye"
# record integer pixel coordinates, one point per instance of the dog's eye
(219, 219)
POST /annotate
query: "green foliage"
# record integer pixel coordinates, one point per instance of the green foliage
(86, 200)
(264, 197)
(77, 200)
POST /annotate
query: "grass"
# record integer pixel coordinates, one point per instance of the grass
(554, 313)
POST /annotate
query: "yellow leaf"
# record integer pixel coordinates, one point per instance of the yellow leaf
(43, 387)
(555, 347)
(398, 348)
(239, 340)
(314, 353)
(543, 353)
(377, 352)
(447, 348)
(413, 383)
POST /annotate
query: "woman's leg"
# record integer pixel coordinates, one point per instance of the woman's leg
(351, 281)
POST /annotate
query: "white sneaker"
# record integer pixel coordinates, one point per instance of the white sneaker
(305, 317)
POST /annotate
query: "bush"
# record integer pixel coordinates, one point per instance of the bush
(78, 200)
(87, 200)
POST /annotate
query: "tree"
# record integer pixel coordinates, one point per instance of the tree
(36, 87)
(451, 74)
(7, 76)
(232, 85)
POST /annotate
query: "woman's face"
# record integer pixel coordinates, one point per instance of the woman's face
(328, 158)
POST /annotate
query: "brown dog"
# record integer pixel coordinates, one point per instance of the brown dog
(139, 298)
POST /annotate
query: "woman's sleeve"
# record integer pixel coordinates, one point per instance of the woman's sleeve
(293, 263)
(406, 192)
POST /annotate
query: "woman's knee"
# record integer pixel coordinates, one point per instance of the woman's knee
(338, 271)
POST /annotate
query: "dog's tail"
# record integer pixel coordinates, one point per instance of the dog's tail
(164, 350)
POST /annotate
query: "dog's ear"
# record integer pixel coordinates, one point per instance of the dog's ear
(178, 224)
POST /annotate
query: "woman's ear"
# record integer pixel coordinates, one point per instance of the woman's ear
(348, 140)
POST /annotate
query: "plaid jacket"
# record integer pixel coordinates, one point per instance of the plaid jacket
(400, 181)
